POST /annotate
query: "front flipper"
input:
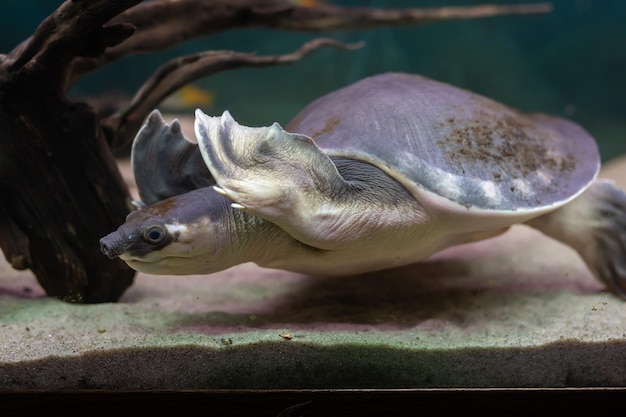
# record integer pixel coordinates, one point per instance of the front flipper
(270, 173)
(164, 162)
(595, 225)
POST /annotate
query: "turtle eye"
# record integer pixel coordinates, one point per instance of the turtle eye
(153, 234)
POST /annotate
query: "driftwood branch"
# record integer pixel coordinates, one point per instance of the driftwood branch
(75, 29)
(60, 185)
(123, 125)
(162, 23)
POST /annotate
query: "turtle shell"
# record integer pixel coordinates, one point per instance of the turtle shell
(459, 145)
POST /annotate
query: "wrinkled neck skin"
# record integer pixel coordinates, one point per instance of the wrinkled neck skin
(253, 239)
(204, 234)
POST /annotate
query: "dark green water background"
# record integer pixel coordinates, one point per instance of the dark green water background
(571, 62)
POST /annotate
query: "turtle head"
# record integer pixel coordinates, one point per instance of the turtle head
(186, 234)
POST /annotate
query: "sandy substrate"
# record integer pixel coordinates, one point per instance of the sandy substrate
(518, 310)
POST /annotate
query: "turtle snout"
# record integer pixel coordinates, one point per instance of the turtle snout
(111, 245)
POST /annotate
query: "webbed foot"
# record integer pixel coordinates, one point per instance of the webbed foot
(595, 225)
(607, 248)
(165, 163)
(265, 171)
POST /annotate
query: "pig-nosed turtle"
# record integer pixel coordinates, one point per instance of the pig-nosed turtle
(382, 173)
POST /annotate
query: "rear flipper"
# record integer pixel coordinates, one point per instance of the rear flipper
(595, 225)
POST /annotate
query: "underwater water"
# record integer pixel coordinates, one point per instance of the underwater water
(570, 62)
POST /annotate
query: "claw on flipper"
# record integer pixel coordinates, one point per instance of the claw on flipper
(219, 190)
